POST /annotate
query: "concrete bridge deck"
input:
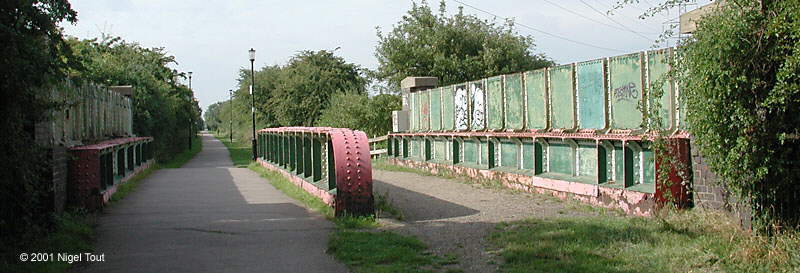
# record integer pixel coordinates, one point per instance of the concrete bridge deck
(210, 217)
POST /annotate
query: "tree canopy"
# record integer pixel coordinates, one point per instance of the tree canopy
(455, 48)
(159, 101)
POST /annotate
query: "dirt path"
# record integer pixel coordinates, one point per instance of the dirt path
(454, 218)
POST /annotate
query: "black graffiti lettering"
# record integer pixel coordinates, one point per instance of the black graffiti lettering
(626, 92)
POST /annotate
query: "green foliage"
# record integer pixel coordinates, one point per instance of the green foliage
(687, 241)
(740, 78)
(373, 115)
(184, 156)
(159, 101)
(455, 49)
(72, 233)
(379, 251)
(30, 62)
(294, 94)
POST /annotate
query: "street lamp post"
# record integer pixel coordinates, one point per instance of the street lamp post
(253, 100)
(190, 120)
(230, 117)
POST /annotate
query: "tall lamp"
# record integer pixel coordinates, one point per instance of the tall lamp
(253, 100)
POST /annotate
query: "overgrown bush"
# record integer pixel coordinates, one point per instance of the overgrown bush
(740, 79)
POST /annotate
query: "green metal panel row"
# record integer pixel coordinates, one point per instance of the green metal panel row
(617, 164)
(306, 155)
(598, 95)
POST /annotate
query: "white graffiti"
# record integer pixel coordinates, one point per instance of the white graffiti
(461, 103)
(478, 106)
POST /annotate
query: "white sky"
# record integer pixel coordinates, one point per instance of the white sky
(211, 38)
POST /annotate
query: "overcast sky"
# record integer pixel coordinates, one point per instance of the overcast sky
(211, 38)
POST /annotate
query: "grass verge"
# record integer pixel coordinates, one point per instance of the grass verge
(184, 156)
(73, 234)
(678, 241)
(240, 153)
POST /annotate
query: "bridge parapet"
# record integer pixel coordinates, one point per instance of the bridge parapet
(331, 163)
(95, 171)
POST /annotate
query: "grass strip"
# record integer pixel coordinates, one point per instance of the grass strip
(679, 241)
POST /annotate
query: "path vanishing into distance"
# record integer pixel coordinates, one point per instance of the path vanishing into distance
(209, 216)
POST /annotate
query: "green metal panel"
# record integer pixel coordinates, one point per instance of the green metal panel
(538, 158)
(591, 94)
(299, 155)
(439, 149)
(625, 73)
(494, 105)
(536, 91)
(456, 150)
(509, 152)
(657, 68)
(587, 160)
(448, 109)
(425, 110)
(462, 110)
(477, 94)
(307, 153)
(562, 97)
(487, 154)
(471, 151)
(514, 102)
(428, 149)
(527, 156)
(619, 164)
(561, 158)
(436, 109)
(648, 167)
(331, 167)
(414, 118)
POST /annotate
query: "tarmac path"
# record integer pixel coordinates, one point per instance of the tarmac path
(210, 217)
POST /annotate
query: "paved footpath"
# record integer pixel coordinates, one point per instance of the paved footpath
(210, 217)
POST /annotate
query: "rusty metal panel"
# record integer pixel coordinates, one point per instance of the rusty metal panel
(462, 110)
(448, 109)
(657, 68)
(353, 173)
(591, 92)
(425, 110)
(494, 103)
(536, 99)
(477, 92)
(562, 97)
(625, 86)
(514, 102)
(436, 109)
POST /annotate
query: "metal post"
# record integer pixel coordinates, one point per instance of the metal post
(190, 120)
(253, 100)
(230, 118)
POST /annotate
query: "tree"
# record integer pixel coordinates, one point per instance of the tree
(159, 101)
(455, 49)
(373, 115)
(31, 60)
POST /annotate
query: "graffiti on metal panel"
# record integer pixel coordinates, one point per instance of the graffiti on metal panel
(478, 106)
(462, 115)
(626, 92)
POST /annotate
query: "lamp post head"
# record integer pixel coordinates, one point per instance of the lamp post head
(252, 54)
(190, 74)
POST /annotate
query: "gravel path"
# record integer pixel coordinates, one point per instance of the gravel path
(455, 217)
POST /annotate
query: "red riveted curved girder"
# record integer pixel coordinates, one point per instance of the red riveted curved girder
(353, 173)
